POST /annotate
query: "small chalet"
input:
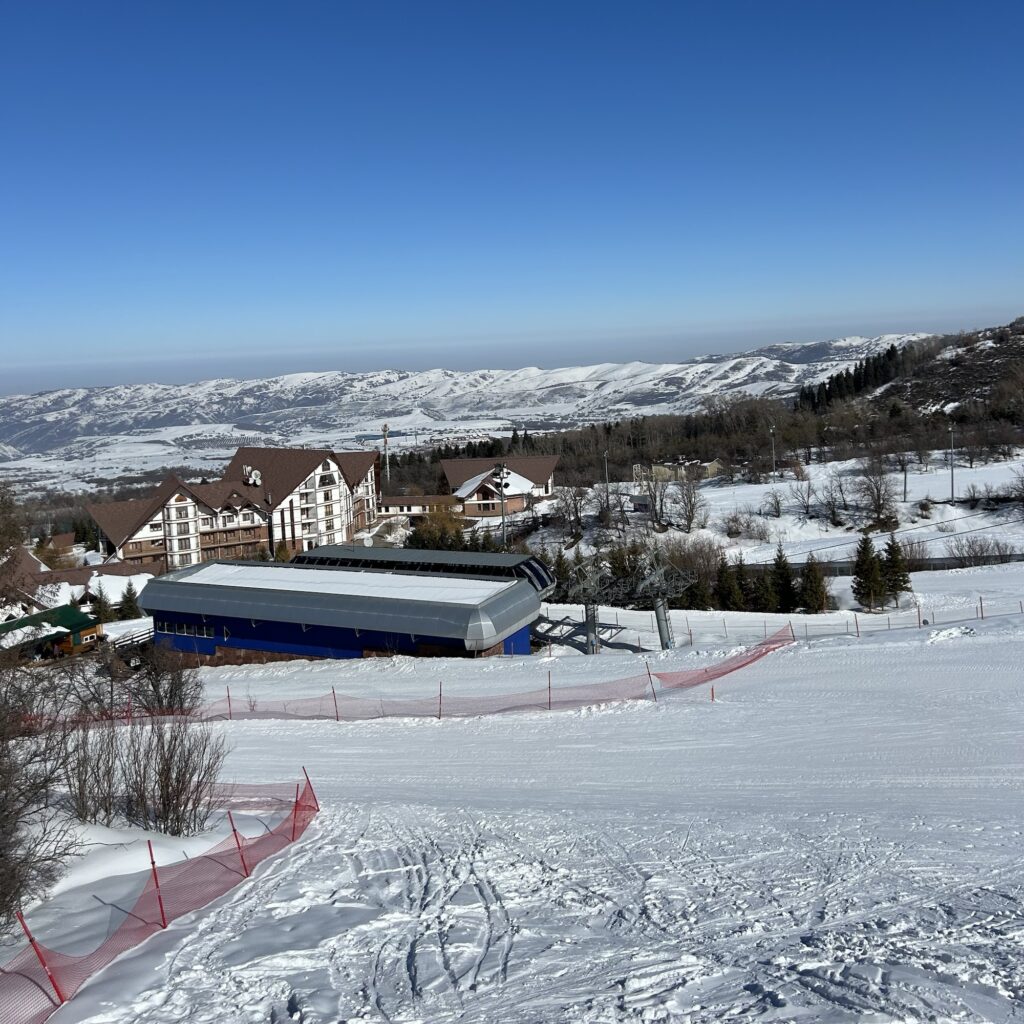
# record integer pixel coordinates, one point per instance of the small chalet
(417, 504)
(474, 482)
(57, 632)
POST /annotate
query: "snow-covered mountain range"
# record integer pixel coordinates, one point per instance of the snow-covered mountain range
(336, 405)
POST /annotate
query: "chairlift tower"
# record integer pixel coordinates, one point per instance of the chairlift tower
(587, 587)
(659, 583)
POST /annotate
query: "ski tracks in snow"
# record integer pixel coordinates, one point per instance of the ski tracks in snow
(403, 914)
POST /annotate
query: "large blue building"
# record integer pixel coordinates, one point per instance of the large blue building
(338, 612)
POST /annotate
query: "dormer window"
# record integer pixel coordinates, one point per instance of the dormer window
(327, 480)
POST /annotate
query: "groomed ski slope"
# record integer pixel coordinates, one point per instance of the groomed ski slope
(837, 837)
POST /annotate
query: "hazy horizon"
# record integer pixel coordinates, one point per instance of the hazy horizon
(477, 352)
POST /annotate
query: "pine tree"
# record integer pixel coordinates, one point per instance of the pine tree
(868, 581)
(560, 570)
(727, 592)
(696, 596)
(782, 581)
(101, 606)
(765, 598)
(743, 581)
(130, 603)
(894, 570)
(282, 553)
(813, 592)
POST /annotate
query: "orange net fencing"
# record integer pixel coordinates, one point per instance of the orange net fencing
(38, 979)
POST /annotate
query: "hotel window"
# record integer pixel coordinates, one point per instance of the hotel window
(206, 522)
(181, 513)
(227, 520)
(328, 495)
(156, 526)
(329, 525)
(330, 538)
(247, 517)
(328, 510)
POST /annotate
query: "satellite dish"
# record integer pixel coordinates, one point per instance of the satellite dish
(256, 478)
(367, 542)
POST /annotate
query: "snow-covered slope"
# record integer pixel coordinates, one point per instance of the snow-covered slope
(337, 404)
(836, 838)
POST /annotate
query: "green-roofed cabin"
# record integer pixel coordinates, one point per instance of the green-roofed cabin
(56, 632)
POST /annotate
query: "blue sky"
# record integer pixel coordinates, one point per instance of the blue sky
(188, 190)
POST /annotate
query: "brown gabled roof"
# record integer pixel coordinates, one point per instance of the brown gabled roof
(120, 519)
(355, 465)
(62, 540)
(536, 468)
(223, 493)
(79, 577)
(281, 469)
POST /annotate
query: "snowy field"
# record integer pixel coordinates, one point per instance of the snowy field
(837, 837)
(800, 534)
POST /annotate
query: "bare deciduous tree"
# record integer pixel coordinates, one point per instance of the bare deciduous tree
(169, 771)
(657, 491)
(804, 496)
(35, 837)
(692, 506)
(876, 490)
(164, 683)
(571, 503)
(773, 504)
(973, 550)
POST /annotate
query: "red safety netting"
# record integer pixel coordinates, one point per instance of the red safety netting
(345, 708)
(30, 991)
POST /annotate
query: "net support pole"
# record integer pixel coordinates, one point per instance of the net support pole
(312, 792)
(238, 843)
(440, 687)
(918, 616)
(856, 622)
(156, 884)
(295, 812)
(39, 954)
(228, 688)
(650, 678)
(549, 689)
(712, 694)
(335, 696)
(981, 605)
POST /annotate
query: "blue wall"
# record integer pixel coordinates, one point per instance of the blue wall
(311, 641)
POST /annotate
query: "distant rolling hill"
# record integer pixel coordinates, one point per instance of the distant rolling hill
(338, 405)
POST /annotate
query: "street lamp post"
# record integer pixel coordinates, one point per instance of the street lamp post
(952, 489)
(771, 433)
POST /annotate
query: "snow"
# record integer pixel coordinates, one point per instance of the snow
(85, 435)
(836, 837)
(114, 587)
(514, 484)
(348, 583)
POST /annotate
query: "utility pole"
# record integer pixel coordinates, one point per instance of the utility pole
(952, 489)
(607, 490)
(771, 433)
(501, 474)
(387, 455)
